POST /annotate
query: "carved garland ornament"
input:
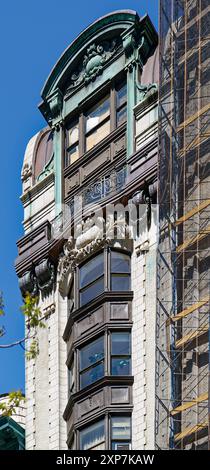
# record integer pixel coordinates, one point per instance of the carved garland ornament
(93, 61)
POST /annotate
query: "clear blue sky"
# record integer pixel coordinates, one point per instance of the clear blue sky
(33, 35)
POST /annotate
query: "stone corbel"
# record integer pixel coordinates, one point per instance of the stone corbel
(28, 283)
(45, 274)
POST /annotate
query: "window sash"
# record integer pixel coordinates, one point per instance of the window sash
(94, 289)
(120, 428)
(119, 277)
(99, 119)
(98, 344)
(87, 278)
(120, 262)
(125, 368)
(127, 342)
(97, 134)
(92, 436)
(97, 371)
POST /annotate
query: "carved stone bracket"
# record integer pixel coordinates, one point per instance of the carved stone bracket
(45, 273)
(28, 283)
(41, 278)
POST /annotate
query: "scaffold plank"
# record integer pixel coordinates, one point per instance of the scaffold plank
(203, 233)
(200, 331)
(189, 310)
(189, 404)
(193, 117)
(191, 430)
(193, 211)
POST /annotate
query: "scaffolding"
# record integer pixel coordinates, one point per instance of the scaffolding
(183, 283)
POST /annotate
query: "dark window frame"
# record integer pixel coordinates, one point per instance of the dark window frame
(120, 356)
(107, 357)
(107, 421)
(81, 371)
(107, 275)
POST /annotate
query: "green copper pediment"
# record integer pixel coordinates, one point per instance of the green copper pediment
(121, 20)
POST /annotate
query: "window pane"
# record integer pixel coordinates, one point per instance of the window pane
(98, 113)
(92, 270)
(121, 115)
(120, 366)
(92, 353)
(120, 446)
(71, 299)
(97, 135)
(92, 436)
(120, 282)
(73, 134)
(121, 94)
(121, 427)
(92, 291)
(91, 375)
(72, 154)
(120, 262)
(120, 344)
(72, 378)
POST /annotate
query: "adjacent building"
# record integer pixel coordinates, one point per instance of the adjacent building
(12, 428)
(183, 263)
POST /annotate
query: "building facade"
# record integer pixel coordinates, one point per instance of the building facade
(93, 268)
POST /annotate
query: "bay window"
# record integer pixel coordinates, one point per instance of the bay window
(92, 277)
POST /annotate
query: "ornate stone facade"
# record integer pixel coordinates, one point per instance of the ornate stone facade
(107, 59)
